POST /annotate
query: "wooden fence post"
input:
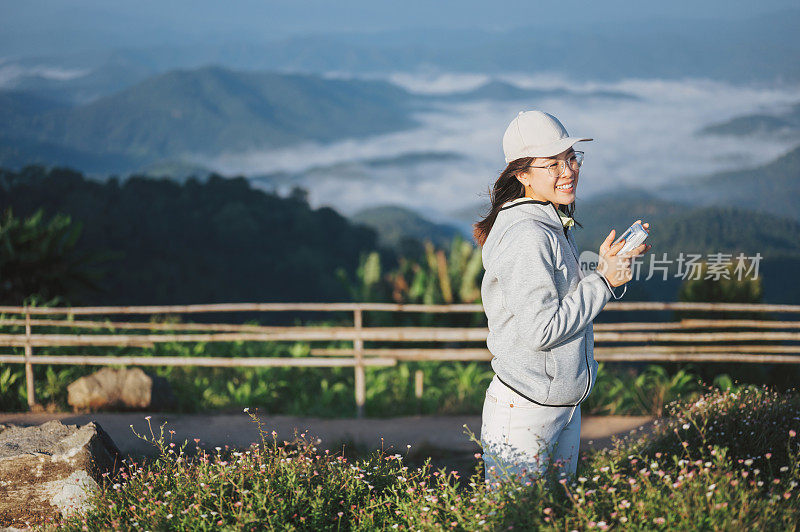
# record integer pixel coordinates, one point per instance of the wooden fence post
(418, 378)
(358, 349)
(28, 366)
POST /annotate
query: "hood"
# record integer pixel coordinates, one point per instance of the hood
(514, 211)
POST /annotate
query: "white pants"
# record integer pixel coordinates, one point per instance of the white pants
(521, 439)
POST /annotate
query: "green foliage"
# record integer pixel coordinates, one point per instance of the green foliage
(12, 390)
(449, 388)
(440, 278)
(730, 460)
(646, 392)
(38, 258)
(194, 242)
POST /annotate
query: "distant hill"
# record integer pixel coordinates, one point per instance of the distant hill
(98, 73)
(758, 124)
(501, 90)
(213, 110)
(17, 105)
(403, 229)
(773, 188)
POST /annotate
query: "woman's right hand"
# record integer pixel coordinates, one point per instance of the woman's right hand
(617, 268)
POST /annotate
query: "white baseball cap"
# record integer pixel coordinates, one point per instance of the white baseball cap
(536, 134)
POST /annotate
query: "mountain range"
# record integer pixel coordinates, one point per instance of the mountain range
(206, 111)
(782, 124)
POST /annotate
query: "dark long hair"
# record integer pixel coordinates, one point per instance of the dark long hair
(507, 188)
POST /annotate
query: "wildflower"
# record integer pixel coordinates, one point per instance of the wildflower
(246, 410)
(659, 520)
(792, 433)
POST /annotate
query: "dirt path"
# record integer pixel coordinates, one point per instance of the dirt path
(436, 435)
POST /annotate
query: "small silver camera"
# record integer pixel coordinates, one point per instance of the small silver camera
(634, 236)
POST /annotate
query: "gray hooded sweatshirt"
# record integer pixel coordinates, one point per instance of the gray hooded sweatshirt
(540, 305)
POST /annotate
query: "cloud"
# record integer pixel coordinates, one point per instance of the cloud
(11, 73)
(643, 143)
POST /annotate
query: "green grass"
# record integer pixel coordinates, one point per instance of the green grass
(729, 460)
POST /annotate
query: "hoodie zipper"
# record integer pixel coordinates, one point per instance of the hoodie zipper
(586, 342)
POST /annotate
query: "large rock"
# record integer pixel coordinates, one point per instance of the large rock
(51, 469)
(120, 388)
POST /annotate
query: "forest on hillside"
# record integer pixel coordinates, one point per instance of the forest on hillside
(156, 241)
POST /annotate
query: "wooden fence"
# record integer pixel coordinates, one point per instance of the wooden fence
(682, 345)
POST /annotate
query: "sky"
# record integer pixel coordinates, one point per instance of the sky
(50, 26)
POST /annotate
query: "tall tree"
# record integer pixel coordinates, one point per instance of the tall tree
(38, 259)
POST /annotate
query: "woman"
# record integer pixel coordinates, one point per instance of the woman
(539, 304)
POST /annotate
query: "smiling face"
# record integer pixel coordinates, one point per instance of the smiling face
(539, 184)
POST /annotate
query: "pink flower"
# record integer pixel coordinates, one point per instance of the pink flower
(792, 433)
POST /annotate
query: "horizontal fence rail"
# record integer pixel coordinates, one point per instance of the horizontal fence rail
(775, 342)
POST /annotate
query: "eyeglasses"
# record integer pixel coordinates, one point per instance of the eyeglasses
(558, 167)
